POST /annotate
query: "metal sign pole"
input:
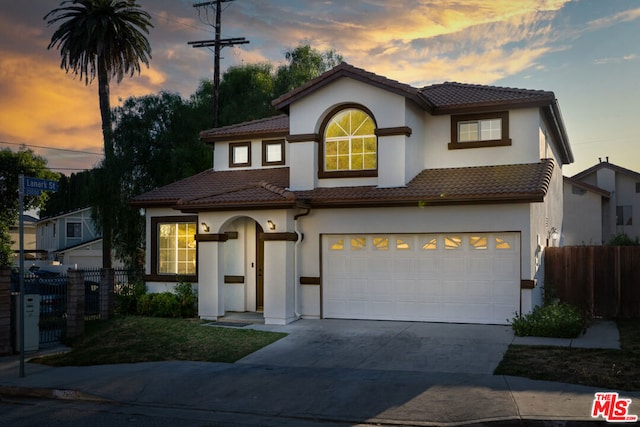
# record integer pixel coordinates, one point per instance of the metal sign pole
(21, 261)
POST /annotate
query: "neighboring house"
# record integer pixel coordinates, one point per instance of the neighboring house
(29, 235)
(620, 211)
(70, 238)
(583, 207)
(369, 199)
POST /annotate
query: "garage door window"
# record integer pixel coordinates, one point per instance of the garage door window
(381, 243)
(478, 242)
(336, 244)
(504, 243)
(401, 245)
(431, 244)
(452, 242)
(358, 243)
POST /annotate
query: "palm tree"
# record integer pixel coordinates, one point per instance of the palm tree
(103, 38)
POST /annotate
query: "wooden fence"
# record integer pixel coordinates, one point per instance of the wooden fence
(604, 280)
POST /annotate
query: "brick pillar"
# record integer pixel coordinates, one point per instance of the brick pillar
(107, 301)
(75, 303)
(5, 311)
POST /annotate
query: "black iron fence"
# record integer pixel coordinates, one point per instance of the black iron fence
(52, 290)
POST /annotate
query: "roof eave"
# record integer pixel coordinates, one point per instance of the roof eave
(212, 139)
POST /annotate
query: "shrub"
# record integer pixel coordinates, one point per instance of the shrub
(558, 320)
(188, 299)
(164, 304)
(621, 239)
(127, 298)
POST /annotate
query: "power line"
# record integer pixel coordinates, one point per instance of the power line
(51, 148)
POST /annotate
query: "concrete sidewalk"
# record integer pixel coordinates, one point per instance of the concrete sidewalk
(354, 394)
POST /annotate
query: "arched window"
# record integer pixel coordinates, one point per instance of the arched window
(350, 146)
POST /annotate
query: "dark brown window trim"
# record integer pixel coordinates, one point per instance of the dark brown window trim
(264, 152)
(231, 235)
(455, 119)
(303, 137)
(154, 276)
(273, 237)
(233, 145)
(343, 174)
(309, 280)
(400, 130)
(170, 278)
(234, 279)
(214, 237)
(528, 283)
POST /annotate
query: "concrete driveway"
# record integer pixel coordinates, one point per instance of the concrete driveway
(386, 345)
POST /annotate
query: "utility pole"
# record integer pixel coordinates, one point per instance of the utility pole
(218, 43)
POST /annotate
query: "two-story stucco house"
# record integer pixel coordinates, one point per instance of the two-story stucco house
(369, 199)
(617, 191)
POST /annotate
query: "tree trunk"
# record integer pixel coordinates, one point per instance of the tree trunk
(108, 187)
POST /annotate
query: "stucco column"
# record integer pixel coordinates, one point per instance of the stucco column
(279, 282)
(210, 275)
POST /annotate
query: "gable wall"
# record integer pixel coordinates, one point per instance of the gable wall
(523, 131)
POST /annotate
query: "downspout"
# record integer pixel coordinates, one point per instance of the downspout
(295, 259)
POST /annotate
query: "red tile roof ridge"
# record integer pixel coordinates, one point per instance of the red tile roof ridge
(488, 87)
(277, 190)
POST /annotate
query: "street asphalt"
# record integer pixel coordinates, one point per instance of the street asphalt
(344, 371)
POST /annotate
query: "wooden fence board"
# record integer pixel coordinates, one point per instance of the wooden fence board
(603, 280)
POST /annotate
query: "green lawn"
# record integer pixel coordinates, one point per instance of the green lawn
(132, 339)
(616, 369)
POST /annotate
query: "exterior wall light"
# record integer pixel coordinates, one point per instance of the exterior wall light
(553, 233)
(271, 224)
(205, 227)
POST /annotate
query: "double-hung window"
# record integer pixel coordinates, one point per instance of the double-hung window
(480, 130)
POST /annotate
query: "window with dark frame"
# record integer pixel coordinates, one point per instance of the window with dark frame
(637, 187)
(239, 154)
(174, 248)
(624, 215)
(349, 146)
(74, 230)
(480, 130)
(273, 152)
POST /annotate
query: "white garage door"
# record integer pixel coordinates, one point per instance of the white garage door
(461, 278)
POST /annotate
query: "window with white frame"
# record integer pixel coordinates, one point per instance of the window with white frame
(74, 230)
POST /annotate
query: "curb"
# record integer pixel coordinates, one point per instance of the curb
(49, 393)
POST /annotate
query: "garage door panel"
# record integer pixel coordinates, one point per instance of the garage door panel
(472, 277)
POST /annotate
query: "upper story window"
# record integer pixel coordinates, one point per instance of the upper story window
(273, 153)
(480, 130)
(349, 146)
(74, 230)
(239, 154)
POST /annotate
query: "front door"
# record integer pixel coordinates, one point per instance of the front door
(259, 269)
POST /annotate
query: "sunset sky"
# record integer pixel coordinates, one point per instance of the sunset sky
(586, 51)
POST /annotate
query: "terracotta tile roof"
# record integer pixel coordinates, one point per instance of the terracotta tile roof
(210, 184)
(454, 96)
(276, 126)
(347, 70)
(266, 188)
(520, 182)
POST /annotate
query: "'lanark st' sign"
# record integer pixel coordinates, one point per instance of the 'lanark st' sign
(35, 186)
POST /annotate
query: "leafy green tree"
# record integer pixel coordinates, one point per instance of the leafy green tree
(103, 38)
(304, 64)
(246, 93)
(12, 164)
(156, 143)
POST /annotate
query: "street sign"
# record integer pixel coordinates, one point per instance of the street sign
(35, 186)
